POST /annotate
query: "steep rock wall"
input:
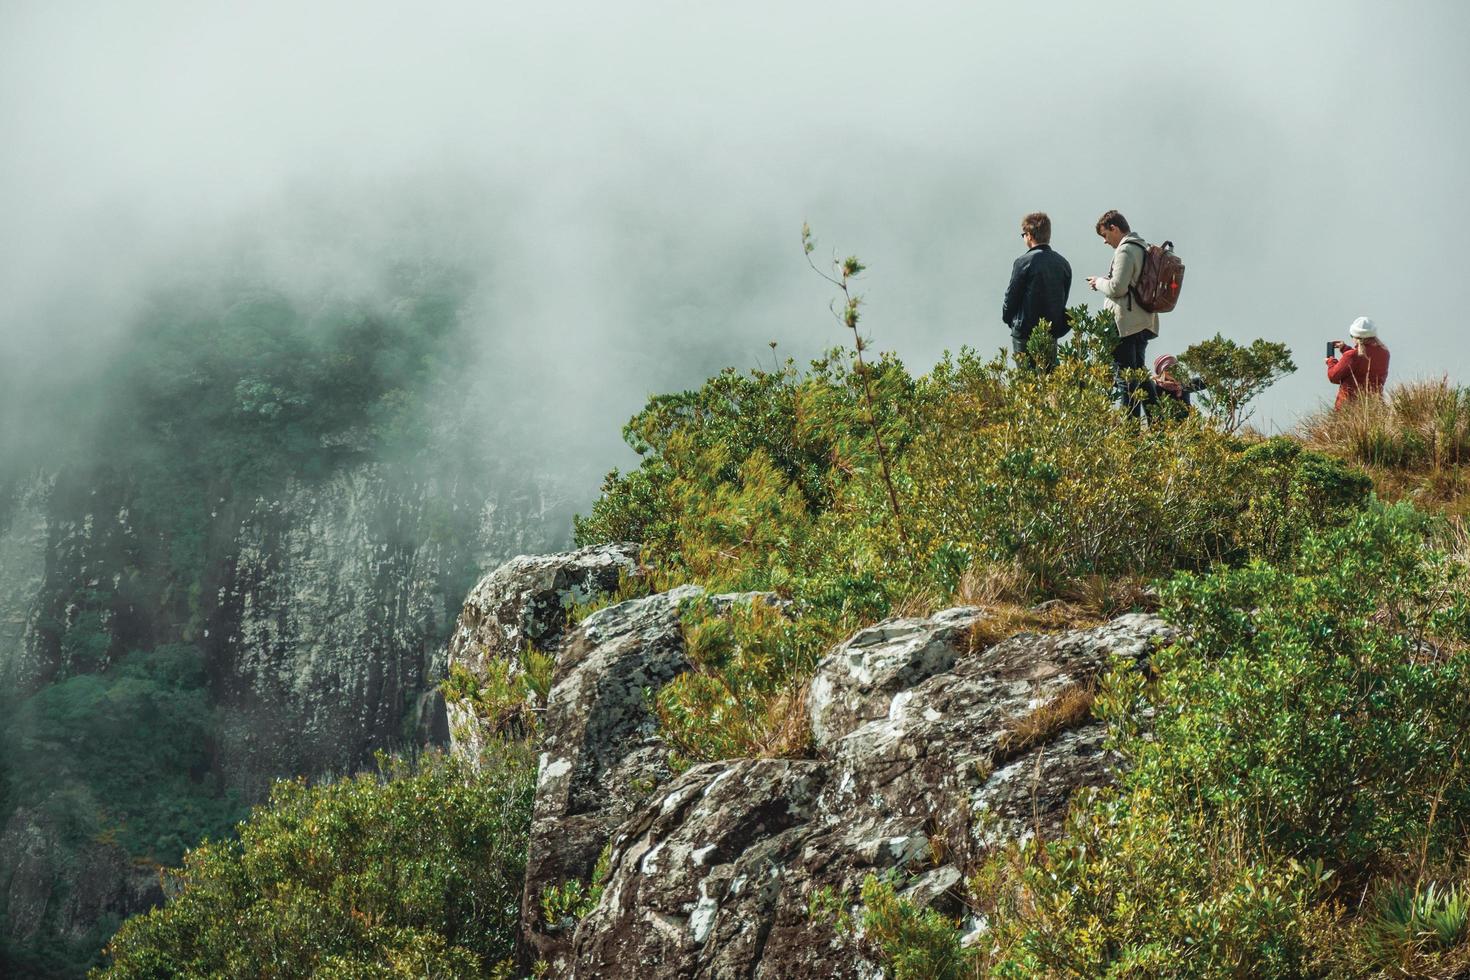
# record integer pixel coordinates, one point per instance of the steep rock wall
(321, 613)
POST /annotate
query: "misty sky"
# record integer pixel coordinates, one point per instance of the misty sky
(628, 181)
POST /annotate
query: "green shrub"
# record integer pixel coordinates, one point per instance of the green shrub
(1234, 374)
(1043, 471)
(736, 475)
(806, 427)
(1135, 889)
(1288, 491)
(415, 871)
(912, 943)
(1306, 738)
(1320, 706)
(991, 465)
(565, 904)
(1093, 337)
(505, 699)
(746, 693)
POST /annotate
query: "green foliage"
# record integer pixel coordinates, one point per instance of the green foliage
(730, 419)
(912, 943)
(1136, 889)
(539, 668)
(1040, 470)
(1318, 705)
(1307, 735)
(737, 475)
(829, 905)
(744, 696)
(1416, 442)
(134, 743)
(504, 695)
(1041, 347)
(1234, 374)
(1093, 338)
(1292, 490)
(566, 904)
(413, 872)
(994, 467)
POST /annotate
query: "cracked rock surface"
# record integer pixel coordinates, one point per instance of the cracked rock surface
(930, 752)
(525, 601)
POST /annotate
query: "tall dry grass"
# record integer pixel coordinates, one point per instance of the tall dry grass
(1415, 441)
(1419, 425)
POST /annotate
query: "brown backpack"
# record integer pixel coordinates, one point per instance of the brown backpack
(1157, 286)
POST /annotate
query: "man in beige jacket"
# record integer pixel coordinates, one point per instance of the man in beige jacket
(1136, 326)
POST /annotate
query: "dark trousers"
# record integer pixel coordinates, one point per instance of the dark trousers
(1127, 360)
(1020, 344)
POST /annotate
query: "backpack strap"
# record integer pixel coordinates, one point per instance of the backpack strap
(1142, 258)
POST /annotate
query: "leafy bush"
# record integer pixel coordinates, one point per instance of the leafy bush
(1043, 470)
(415, 871)
(1289, 491)
(1307, 739)
(911, 943)
(746, 693)
(735, 474)
(1234, 374)
(564, 905)
(505, 700)
(992, 465)
(1135, 889)
(1093, 337)
(1319, 706)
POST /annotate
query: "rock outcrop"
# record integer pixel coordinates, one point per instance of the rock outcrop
(525, 601)
(932, 748)
(600, 756)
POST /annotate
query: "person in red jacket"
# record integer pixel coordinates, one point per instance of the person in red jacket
(1360, 370)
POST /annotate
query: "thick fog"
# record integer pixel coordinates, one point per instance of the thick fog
(627, 182)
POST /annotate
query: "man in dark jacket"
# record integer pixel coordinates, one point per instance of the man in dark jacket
(1040, 281)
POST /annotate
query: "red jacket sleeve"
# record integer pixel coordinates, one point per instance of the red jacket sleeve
(1342, 368)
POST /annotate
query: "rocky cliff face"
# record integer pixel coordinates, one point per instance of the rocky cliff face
(24, 539)
(320, 612)
(932, 746)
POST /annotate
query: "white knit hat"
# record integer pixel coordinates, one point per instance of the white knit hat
(1363, 327)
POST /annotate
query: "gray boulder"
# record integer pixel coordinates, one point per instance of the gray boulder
(857, 682)
(600, 752)
(713, 874)
(706, 874)
(525, 601)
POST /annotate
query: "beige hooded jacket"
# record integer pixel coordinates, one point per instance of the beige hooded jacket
(1127, 265)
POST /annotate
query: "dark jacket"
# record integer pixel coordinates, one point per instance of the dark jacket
(1040, 281)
